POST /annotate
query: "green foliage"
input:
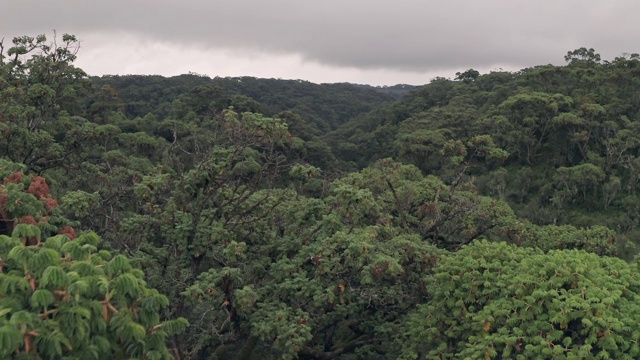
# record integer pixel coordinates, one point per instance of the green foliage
(274, 219)
(62, 297)
(582, 56)
(565, 139)
(53, 305)
(467, 76)
(322, 107)
(41, 88)
(79, 203)
(500, 301)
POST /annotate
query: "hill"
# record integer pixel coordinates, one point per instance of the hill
(323, 106)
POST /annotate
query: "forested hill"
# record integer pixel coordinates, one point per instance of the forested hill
(571, 136)
(323, 106)
(486, 217)
(397, 90)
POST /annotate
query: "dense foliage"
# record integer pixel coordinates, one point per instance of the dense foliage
(500, 301)
(323, 106)
(570, 132)
(491, 216)
(61, 295)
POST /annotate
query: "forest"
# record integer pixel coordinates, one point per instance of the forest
(490, 216)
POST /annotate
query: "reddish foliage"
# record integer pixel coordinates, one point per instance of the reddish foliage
(3, 204)
(15, 178)
(68, 231)
(43, 219)
(39, 188)
(50, 203)
(28, 219)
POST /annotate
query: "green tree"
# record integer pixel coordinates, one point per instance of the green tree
(526, 122)
(500, 301)
(62, 296)
(467, 76)
(582, 56)
(39, 99)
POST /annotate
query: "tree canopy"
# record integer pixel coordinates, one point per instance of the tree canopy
(62, 296)
(489, 216)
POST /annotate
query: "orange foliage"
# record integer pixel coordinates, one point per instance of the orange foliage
(50, 203)
(15, 178)
(68, 231)
(39, 188)
(28, 219)
(3, 204)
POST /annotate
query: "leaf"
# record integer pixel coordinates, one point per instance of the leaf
(127, 284)
(54, 277)
(25, 231)
(135, 331)
(175, 326)
(74, 249)
(118, 265)
(10, 340)
(486, 327)
(42, 298)
(20, 254)
(78, 288)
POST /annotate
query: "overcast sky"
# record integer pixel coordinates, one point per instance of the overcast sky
(362, 41)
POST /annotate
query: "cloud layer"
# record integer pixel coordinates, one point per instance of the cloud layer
(402, 36)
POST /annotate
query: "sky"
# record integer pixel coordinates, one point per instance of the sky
(360, 41)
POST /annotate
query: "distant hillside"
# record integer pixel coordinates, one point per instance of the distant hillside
(570, 136)
(324, 106)
(399, 90)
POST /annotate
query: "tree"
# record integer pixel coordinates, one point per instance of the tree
(210, 211)
(526, 122)
(278, 237)
(61, 296)
(40, 94)
(492, 300)
(468, 76)
(582, 56)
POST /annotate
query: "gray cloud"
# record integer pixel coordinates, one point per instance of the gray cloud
(405, 35)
